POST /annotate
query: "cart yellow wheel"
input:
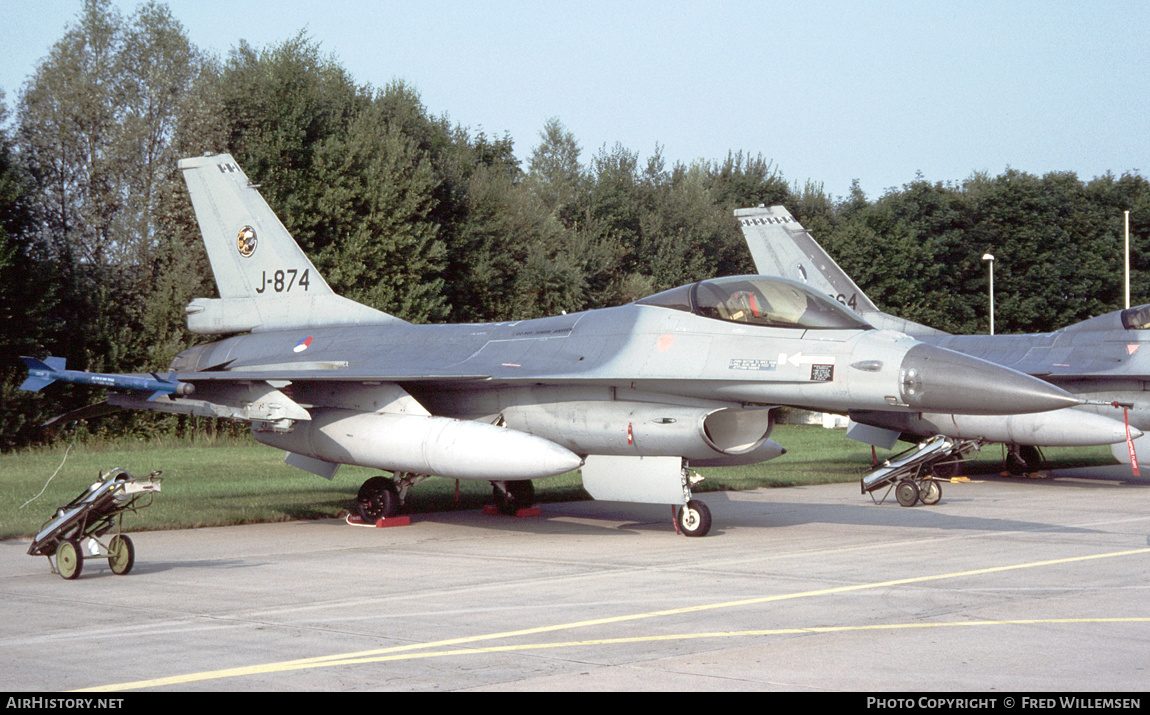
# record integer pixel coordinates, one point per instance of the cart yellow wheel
(121, 554)
(906, 492)
(69, 559)
(930, 492)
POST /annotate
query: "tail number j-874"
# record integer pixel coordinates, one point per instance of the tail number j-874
(284, 281)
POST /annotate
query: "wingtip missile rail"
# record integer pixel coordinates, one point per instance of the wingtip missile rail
(42, 373)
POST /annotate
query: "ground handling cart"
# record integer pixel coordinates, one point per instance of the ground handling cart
(76, 527)
(914, 474)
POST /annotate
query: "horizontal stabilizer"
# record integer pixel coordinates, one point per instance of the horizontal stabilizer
(218, 316)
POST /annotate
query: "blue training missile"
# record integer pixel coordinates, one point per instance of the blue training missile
(42, 373)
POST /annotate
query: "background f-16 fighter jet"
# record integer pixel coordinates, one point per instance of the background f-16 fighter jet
(633, 394)
(1100, 360)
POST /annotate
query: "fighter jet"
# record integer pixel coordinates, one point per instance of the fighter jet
(635, 395)
(1099, 359)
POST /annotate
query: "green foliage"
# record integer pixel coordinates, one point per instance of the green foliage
(431, 222)
(24, 297)
(232, 480)
(555, 176)
(1057, 241)
(740, 181)
(378, 197)
(351, 172)
(628, 228)
(94, 132)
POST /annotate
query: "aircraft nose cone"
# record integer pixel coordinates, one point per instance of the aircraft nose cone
(939, 380)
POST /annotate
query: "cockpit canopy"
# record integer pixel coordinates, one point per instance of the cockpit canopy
(759, 300)
(1136, 318)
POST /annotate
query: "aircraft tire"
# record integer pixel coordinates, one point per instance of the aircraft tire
(69, 559)
(520, 494)
(906, 492)
(694, 518)
(930, 493)
(121, 554)
(1031, 456)
(378, 498)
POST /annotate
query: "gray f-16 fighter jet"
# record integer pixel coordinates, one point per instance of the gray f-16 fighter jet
(633, 394)
(1101, 359)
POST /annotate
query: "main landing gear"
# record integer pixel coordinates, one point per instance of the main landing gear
(382, 497)
(1024, 460)
(511, 497)
(377, 499)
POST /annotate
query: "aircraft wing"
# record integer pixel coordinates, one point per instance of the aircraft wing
(1060, 357)
(272, 374)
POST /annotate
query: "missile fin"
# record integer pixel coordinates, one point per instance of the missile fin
(35, 384)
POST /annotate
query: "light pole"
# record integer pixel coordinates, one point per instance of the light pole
(1127, 259)
(990, 258)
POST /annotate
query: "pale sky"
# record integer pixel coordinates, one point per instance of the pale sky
(828, 91)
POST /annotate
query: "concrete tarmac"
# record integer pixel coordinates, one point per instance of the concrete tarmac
(1006, 585)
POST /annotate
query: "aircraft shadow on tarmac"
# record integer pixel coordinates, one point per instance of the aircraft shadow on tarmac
(599, 518)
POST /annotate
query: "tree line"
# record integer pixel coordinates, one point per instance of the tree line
(430, 221)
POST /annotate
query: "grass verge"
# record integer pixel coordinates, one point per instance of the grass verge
(238, 481)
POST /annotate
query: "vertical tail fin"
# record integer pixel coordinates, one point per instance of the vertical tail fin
(782, 247)
(266, 282)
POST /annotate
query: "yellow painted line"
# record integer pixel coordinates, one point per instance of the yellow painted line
(404, 652)
(717, 634)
